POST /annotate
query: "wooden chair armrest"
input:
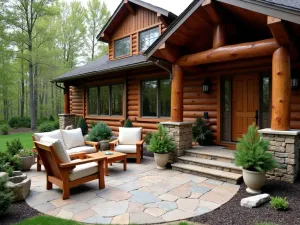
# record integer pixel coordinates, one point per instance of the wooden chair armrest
(79, 162)
(114, 142)
(92, 143)
(140, 142)
(77, 155)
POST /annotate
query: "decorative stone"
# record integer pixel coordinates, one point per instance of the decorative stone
(255, 201)
(143, 218)
(3, 175)
(143, 197)
(114, 194)
(111, 208)
(155, 211)
(20, 186)
(188, 205)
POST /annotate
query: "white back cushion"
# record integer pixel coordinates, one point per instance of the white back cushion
(72, 138)
(56, 134)
(59, 149)
(129, 136)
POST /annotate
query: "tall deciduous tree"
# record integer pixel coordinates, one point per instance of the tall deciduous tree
(97, 15)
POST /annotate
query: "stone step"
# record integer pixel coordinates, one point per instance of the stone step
(229, 177)
(212, 164)
(218, 153)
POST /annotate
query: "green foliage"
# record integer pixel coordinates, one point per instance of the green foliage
(18, 122)
(14, 147)
(6, 196)
(279, 203)
(47, 220)
(4, 129)
(25, 138)
(100, 132)
(252, 152)
(47, 127)
(9, 163)
(56, 124)
(93, 124)
(128, 123)
(201, 132)
(82, 124)
(148, 138)
(51, 118)
(161, 142)
(25, 152)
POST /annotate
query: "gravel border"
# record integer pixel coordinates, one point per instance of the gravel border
(232, 213)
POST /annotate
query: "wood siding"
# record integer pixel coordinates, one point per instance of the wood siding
(77, 101)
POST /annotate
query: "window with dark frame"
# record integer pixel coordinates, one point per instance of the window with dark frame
(156, 98)
(147, 37)
(122, 47)
(106, 100)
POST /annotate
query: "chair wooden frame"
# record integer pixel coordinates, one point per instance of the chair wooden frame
(58, 173)
(139, 149)
(78, 155)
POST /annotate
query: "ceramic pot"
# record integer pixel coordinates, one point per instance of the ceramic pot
(104, 145)
(26, 162)
(254, 181)
(161, 160)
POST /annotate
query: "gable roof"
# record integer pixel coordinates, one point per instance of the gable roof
(103, 65)
(122, 11)
(288, 10)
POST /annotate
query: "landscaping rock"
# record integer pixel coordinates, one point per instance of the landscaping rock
(3, 175)
(20, 186)
(70, 127)
(255, 201)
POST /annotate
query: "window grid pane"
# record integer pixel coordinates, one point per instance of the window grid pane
(104, 100)
(117, 99)
(147, 38)
(122, 47)
(149, 89)
(93, 101)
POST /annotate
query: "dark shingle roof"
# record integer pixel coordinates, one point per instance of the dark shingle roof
(103, 65)
(287, 3)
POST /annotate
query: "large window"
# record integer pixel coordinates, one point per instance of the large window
(106, 100)
(156, 98)
(147, 38)
(122, 47)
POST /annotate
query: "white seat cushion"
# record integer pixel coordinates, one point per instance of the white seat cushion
(56, 134)
(72, 138)
(129, 136)
(126, 148)
(87, 149)
(58, 148)
(83, 170)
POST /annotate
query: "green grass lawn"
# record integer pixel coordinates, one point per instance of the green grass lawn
(25, 138)
(50, 220)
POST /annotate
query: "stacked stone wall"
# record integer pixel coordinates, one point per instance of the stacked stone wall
(66, 120)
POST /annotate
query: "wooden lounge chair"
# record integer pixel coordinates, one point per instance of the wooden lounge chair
(130, 142)
(65, 173)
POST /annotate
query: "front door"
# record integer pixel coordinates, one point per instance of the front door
(245, 103)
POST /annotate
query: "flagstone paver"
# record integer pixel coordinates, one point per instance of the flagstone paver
(140, 195)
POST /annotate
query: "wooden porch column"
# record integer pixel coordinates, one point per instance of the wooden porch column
(67, 99)
(219, 36)
(281, 90)
(177, 94)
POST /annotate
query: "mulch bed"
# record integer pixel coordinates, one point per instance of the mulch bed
(233, 213)
(18, 212)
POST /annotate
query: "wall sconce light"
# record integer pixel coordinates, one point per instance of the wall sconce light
(205, 115)
(294, 83)
(205, 86)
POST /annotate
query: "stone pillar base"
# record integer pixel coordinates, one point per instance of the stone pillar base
(181, 132)
(66, 120)
(284, 146)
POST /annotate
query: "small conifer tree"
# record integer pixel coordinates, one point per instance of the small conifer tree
(82, 124)
(128, 123)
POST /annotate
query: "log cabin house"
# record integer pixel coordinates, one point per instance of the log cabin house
(232, 62)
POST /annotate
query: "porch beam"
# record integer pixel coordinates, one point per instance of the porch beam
(177, 94)
(230, 53)
(66, 99)
(281, 90)
(169, 51)
(129, 7)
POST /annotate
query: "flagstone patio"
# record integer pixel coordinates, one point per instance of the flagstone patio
(140, 195)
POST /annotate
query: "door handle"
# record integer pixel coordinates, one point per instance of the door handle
(256, 117)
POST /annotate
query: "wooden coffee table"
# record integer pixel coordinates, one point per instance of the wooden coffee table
(116, 156)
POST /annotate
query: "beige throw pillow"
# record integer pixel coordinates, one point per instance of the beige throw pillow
(72, 138)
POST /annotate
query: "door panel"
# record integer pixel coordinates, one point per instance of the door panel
(245, 102)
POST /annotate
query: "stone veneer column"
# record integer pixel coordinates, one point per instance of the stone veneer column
(66, 120)
(284, 146)
(181, 132)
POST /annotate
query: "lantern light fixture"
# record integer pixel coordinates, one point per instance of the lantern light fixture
(294, 83)
(206, 86)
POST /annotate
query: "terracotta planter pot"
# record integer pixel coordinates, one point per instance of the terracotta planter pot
(161, 160)
(104, 145)
(254, 181)
(26, 162)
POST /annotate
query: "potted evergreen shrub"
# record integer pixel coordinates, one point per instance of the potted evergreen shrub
(201, 132)
(84, 127)
(101, 133)
(161, 144)
(128, 123)
(253, 157)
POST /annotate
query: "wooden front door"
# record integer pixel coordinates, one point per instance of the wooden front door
(245, 102)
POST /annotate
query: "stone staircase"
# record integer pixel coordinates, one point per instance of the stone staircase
(214, 162)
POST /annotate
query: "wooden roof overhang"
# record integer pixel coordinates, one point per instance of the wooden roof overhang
(125, 8)
(189, 40)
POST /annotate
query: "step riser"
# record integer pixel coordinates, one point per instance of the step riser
(202, 156)
(210, 166)
(206, 175)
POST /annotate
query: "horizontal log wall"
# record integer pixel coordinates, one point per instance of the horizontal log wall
(77, 101)
(295, 105)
